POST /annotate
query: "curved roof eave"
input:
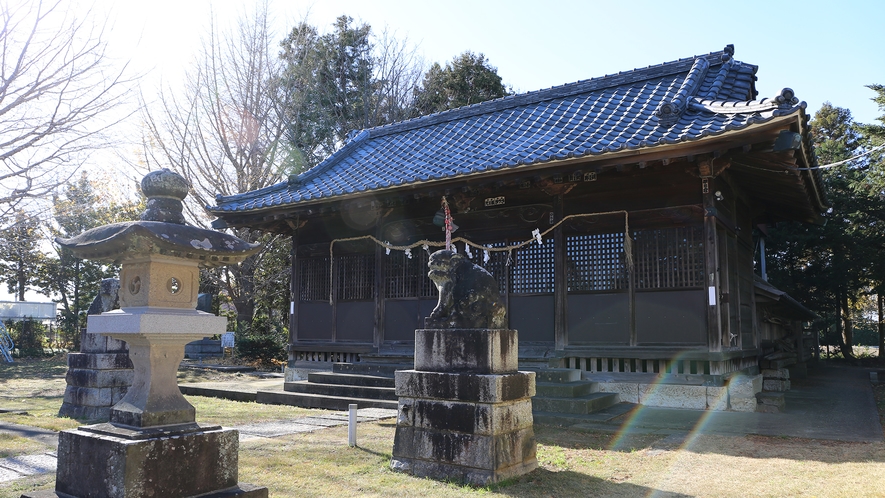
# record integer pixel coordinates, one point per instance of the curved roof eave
(772, 121)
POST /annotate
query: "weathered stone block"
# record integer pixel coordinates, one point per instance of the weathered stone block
(771, 399)
(776, 385)
(673, 396)
(458, 416)
(99, 361)
(465, 387)
(627, 392)
(476, 451)
(98, 413)
(777, 374)
(82, 377)
(91, 464)
(717, 398)
(745, 386)
(89, 396)
(481, 351)
(91, 342)
(743, 404)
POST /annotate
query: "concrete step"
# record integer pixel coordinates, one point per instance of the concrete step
(578, 406)
(558, 375)
(350, 379)
(566, 390)
(346, 391)
(307, 400)
(568, 419)
(377, 369)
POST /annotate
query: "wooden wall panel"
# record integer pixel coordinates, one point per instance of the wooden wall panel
(598, 318)
(532, 316)
(315, 321)
(356, 321)
(671, 317)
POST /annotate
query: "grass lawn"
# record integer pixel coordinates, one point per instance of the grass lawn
(572, 463)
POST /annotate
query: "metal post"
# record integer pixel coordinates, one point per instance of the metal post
(351, 425)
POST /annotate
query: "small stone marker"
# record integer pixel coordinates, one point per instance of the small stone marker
(465, 412)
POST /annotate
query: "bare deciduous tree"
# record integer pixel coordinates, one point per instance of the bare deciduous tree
(57, 86)
(223, 131)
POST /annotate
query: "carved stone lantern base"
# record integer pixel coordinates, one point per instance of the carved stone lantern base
(152, 445)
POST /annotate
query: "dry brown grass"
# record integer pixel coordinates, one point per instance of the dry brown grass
(572, 463)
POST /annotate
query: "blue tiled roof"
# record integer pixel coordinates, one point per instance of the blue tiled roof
(679, 101)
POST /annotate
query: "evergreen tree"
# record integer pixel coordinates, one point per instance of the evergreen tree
(468, 79)
(20, 254)
(829, 267)
(343, 81)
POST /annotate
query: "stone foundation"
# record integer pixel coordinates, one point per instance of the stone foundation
(106, 460)
(695, 394)
(465, 413)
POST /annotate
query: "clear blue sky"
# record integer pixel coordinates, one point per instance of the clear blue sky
(824, 50)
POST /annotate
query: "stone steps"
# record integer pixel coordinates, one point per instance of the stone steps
(369, 385)
(561, 392)
(350, 379)
(370, 368)
(567, 389)
(308, 400)
(341, 390)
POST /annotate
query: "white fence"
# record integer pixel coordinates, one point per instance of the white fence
(19, 310)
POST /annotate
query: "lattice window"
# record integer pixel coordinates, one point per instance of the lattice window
(356, 277)
(497, 264)
(406, 277)
(596, 262)
(314, 274)
(532, 272)
(669, 258)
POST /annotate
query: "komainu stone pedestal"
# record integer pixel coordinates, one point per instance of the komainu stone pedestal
(465, 412)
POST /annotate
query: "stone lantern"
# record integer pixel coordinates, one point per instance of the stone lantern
(152, 445)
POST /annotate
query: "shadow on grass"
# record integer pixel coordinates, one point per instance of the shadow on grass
(381, 454)
(744, 446)
(544, 482)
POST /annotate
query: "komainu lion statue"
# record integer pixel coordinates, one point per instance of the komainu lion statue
(468, 295)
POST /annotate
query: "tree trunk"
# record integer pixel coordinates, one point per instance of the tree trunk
(846, 337)
(880, 299)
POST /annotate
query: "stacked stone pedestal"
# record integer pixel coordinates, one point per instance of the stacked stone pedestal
(98, 377)
(465, 412)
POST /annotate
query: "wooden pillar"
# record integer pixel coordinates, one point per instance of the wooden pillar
(294, 294)
(631, 293)
(711, 268)
(380, 273)
(334, 294)
(560, 279)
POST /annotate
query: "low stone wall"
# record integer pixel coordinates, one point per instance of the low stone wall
(204, 348)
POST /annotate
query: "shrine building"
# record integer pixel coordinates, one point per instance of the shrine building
(622, 216)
